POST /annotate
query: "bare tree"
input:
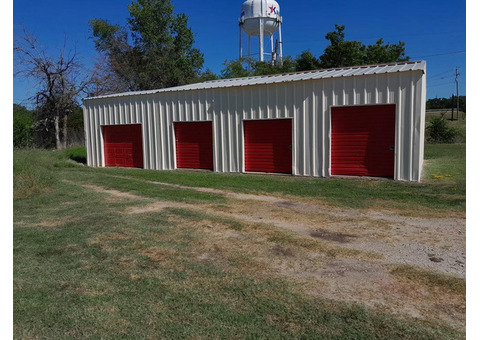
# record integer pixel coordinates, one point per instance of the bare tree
(106, 80)
(61, 81)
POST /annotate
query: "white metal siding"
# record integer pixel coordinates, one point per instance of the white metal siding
(308, 102)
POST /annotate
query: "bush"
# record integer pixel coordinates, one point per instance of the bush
(439, 132)
(22, 127)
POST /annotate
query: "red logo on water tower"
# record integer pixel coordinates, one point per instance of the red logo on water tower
(273, 10)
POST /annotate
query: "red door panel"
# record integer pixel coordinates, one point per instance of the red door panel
(123, 145)
(268, 145)
(194, 145)
(363, 139)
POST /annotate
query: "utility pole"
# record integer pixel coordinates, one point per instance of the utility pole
(453, 105)
(457, 74)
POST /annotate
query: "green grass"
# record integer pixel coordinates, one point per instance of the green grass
(30, 173)
(448, 193)
(143, 188)
(446, 170)
(83, 269)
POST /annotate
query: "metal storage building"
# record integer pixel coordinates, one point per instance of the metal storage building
(364, 121)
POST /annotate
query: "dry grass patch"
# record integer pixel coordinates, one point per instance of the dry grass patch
(281, 251)
(114, 193)
(269, 231)
(47, 223)
(332, 236)
(159, 206)
(166, 257)
(306, 217)
(259, 249)
(112, 241)
(437, 295)
(289, 227)
(448, 284)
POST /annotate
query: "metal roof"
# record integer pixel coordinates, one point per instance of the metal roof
(286, 77)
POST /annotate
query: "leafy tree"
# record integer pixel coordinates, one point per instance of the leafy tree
(61, 82)
(22, 126)
(342, 53)
(207, 75)
(247, 67)
(385, 53)
(159, 53)
(306, 61)
(235, 68)
(262, 68)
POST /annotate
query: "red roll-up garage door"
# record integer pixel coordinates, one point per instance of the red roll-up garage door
(123, 145)
(194, 145)
(268, 145)
(363, 139)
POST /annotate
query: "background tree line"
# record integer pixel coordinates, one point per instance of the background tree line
(29, 128)
(447, 103)
(153, 50)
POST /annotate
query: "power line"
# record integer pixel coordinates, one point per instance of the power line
(438, 74)
(415, 35)
(440, 79)
(439, 54)
(442, 76)
(430, 86)
(317, 37)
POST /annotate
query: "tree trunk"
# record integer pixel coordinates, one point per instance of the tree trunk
(65, 130)
(57, 132)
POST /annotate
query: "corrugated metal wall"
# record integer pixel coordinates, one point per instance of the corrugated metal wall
(307, 102)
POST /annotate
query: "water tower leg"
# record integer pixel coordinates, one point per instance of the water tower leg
(271, 47)
(261, 39)
(280, 42)
(241, 50)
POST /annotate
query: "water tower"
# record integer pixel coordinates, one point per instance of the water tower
(261, 18)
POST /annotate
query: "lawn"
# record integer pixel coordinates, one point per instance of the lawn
(85, 268)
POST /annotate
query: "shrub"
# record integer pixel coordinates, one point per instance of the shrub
(439, 132)
(22, 127)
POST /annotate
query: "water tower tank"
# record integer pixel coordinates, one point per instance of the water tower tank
(254, 10)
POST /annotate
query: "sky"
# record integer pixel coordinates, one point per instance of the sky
(434, 31)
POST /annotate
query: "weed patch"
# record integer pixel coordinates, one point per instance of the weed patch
(30, 174)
